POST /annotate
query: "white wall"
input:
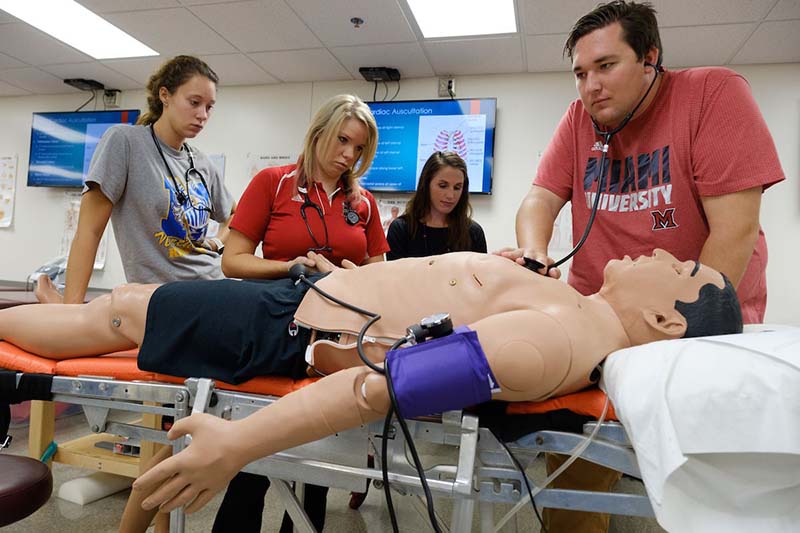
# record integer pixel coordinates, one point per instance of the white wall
(273, 118)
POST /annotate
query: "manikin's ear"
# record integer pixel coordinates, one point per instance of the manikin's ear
(671, 324)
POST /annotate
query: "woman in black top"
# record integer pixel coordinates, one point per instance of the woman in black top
(438, 218)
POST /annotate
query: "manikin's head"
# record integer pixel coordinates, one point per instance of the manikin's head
(659, 297)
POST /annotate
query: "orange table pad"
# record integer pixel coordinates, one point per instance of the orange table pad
(122, 366)
(266, 385)
(13, 358)
(586, 402)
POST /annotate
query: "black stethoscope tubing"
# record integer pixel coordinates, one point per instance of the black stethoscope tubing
(350, 216)
(180, 195)
(306, 204)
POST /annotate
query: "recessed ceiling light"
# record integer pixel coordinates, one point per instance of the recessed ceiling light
(70, 22)
(458, 18)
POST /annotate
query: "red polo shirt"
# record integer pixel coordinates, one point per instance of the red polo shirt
(269, 212)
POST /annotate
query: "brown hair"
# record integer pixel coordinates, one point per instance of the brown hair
(638, 21)
(172, 75)
(459, 219)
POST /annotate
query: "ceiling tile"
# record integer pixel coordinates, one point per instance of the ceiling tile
(408, 58)
(35, 81)
(302, 65)
(110, 6)
(719, 44)
(26, 43)
(138, 69)
(773, 42)
(10, 90)
(171, 31)
(384, 21)
(784, 10)
(237, 69)
(270, 41)
(267, 25)
(476, 56)
(557, 16)
(202, 2)
(93, 71)
(545, 53)
(10, 62)
(696, 13)
(553, 16)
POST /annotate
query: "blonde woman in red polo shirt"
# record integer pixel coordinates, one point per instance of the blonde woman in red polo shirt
(314, 205)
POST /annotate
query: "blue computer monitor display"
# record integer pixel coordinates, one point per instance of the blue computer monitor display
(410, 131)
(62, 144)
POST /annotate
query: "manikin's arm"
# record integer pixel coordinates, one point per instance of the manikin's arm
(219, 448)
(733, 231)
(523, 368)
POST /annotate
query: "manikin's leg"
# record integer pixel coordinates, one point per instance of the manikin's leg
(106, 324)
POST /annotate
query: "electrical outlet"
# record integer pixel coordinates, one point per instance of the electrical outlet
(447, 87)
(112, 98)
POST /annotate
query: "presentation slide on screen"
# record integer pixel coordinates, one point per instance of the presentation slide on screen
(62, 145)
(409, 132)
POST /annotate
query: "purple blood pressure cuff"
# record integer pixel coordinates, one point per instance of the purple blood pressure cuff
(441, 374)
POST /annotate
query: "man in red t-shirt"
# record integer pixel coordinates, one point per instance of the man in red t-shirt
(685, 174)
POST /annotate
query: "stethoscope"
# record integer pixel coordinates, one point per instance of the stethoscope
(350, 216)
(182, 196)
(606, 135)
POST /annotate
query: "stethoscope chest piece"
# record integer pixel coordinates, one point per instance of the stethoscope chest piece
(350, 215)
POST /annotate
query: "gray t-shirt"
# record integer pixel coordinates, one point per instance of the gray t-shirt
(157, 235)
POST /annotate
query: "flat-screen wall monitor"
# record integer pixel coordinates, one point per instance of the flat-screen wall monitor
(62, 144)
(410, 131)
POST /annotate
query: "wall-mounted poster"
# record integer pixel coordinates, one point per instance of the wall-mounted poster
(8, 180)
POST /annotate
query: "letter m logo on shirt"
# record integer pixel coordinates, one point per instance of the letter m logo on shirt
(663, 220)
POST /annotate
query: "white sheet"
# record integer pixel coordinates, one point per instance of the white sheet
(715, 423)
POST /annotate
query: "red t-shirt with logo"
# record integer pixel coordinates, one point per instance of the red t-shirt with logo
(703, 135)
(269, 212)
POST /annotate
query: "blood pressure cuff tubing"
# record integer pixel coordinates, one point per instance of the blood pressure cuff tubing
(441, 374)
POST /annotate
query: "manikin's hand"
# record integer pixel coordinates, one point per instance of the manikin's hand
(517, 254)
(324, 265)
(193, 476)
